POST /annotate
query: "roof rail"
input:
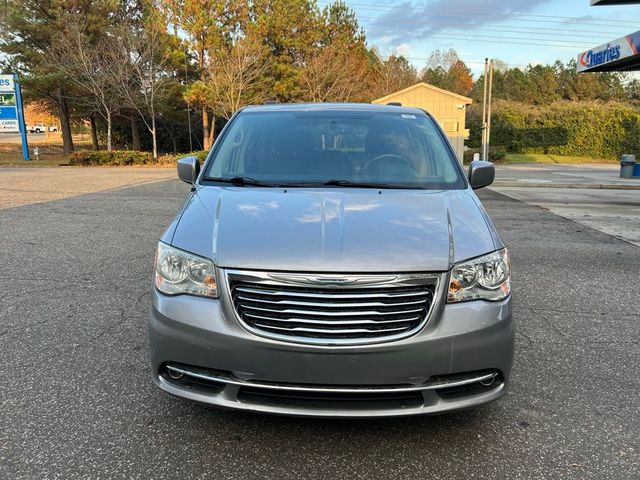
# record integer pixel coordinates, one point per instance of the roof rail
(395, 104)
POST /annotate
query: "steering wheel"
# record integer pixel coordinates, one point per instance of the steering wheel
(386, 157)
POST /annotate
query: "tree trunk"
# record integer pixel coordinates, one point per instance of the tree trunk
(173, 141)
(65, 123)
(135, 133)
(94, 133)
(109, 148)
(212, 132)
(206, 141)
(153, 137)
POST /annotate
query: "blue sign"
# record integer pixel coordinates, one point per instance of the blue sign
(8, 113)
(11, 113)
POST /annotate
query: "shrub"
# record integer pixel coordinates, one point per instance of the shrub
(115, 157)
(201, 154)
(496, 154)
(599, 130)
(126, 157)
(467, 156)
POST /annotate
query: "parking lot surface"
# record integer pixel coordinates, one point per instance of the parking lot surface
(22, 186)
(77, 399)
(615, 212)
(592, 176)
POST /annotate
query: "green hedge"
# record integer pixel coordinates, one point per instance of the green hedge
(600, 130)
(126, 157)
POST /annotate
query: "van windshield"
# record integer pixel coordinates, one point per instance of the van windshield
(339, 148)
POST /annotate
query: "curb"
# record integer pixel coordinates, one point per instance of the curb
(591, 186)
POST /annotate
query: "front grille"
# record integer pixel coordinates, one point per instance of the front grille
(329, 400)
(352, 309)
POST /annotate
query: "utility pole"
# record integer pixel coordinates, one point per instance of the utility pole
(486, 108)
(489, 97)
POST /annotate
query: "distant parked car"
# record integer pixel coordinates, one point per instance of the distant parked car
(53, 128)
(37, 128)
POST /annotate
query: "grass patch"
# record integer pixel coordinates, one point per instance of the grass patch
(11, 159)
(50, 152)
(51, 155)
(514, 158)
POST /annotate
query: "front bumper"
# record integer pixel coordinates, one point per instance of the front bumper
(404, 377)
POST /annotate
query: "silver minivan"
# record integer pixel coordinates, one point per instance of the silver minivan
(332, 260)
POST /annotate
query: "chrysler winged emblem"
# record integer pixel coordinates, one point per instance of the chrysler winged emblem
(333, 280)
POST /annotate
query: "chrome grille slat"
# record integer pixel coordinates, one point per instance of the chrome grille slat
(343, 331)
(331, 309)
(333, 322)
(327, 304)
(349, 313)
(332, 295)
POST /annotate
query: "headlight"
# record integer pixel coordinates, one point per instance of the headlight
(484, 278)
(179, 272)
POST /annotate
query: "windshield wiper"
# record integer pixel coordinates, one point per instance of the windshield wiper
(349, 183)
(241, 181)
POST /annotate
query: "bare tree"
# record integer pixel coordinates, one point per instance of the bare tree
(141, 74)
(444, 59)
(237, 76)
(335, 74)
(392, 74)
(86, 62)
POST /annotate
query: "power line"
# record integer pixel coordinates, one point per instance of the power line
(502, 30)
(474, 62)
(511, 16)
(509, 40)
(565, 38)
(525, 29)
(501, 40)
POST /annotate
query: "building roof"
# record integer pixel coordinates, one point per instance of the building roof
(390, 97)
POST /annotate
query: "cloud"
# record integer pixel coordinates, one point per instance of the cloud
(580, 20)
(402, 50)
(405, 22)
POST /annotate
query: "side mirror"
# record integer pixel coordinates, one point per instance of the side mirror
(188, 169)
(481, 174)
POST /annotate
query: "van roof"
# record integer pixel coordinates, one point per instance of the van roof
(324, 107)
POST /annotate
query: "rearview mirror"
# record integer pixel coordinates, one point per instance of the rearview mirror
(188, 169)
(481, 174)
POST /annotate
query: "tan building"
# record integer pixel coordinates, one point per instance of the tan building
(448, 108)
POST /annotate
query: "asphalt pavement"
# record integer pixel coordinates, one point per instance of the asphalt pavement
(592, 195)
(25, 185)
(563, 176)
(77, 400)
(612, 211)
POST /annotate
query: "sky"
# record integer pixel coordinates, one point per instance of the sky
(518, 32)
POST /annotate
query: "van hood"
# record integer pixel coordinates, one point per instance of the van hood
(334, 230)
